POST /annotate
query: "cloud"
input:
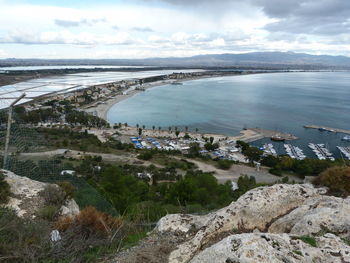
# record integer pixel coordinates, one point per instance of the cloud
(142, 29)
(82, 22)
(66, 37)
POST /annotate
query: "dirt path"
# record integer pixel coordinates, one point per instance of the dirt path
(262, 176)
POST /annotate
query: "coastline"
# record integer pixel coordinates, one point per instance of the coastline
(102, 109)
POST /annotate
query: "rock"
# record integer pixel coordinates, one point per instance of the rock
(317, 215)
(70, 208)
(26, 200)
(255, 210)
(274, 248)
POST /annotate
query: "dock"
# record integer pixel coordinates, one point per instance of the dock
(270, 133)
(323, 128)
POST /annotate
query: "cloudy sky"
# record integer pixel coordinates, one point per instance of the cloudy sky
(162, 28)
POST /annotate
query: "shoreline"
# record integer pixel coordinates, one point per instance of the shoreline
(101, 110)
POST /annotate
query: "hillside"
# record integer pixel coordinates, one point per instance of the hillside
(275, 60)
(281, 223)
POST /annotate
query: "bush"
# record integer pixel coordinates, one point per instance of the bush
(224, 164)
(89, 222)
(53, 195)
(23, 240)
(275, 171)
(68, 188)
(4, 190)
(48, 212)
(337, 179)
(145, 156)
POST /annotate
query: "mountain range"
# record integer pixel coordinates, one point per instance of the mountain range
(253, 59)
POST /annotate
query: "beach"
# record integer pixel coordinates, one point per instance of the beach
(102, 109)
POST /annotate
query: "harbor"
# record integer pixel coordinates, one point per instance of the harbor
(323, 128)
(321, 151)
(345, 151)
(294, 152)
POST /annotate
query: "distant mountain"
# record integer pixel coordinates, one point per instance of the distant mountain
(254, 60)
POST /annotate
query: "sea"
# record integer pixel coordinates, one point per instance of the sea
(283, 102)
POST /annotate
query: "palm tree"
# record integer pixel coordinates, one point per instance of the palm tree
(153, 127)
(196, 129)
(159, 128)
(169, 128)
(137, 125)
(186, 128)
(143, 127)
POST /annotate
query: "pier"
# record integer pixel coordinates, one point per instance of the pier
(323, 128)
(269, 133)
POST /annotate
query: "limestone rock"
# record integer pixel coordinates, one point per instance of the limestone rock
(26, 200)
(70, 208)
(317, 215)
(257, 209)
(274, 248)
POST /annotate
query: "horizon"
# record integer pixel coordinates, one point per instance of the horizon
(173, 57)
(139, 29)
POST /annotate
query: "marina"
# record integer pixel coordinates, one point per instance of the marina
(294, 152)
(345, 151)
(321, 151)
(269, 149)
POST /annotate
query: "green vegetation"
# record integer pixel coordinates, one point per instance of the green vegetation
(224, 164)
(4, 190)
(308, 240)
(337, 179)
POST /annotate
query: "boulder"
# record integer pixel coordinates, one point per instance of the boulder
(274, 248)
(26, 200)
(255, 211)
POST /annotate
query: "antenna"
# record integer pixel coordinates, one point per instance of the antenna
(8, 132)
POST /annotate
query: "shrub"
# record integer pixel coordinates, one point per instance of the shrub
(90, 222)
(145, 156)
(53, 195)
(48, 212)
(224, 164)
(23, 240)
(275, 171)
(68, 188)
(4, 190)
(337, 179)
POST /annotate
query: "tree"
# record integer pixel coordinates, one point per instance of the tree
(186, 128)
(211, 139)
(197, 130)
(159, 128)
(153, 127)
(177, 133)
(137, 125)
(194, 149)
(126, 124)
(140, 131)
(143, 127)
(169, 128)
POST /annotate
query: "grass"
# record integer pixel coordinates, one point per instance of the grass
(308, 240)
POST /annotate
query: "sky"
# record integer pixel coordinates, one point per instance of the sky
(171, 28)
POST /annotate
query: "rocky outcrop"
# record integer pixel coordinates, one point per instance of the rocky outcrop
(25, 199)
(293, 209)
(274, 248)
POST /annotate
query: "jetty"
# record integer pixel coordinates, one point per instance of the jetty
(323, 128)
(274, 134)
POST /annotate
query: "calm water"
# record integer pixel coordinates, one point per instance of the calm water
(279, 101)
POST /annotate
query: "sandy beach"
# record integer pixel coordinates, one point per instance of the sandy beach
(101, 110)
